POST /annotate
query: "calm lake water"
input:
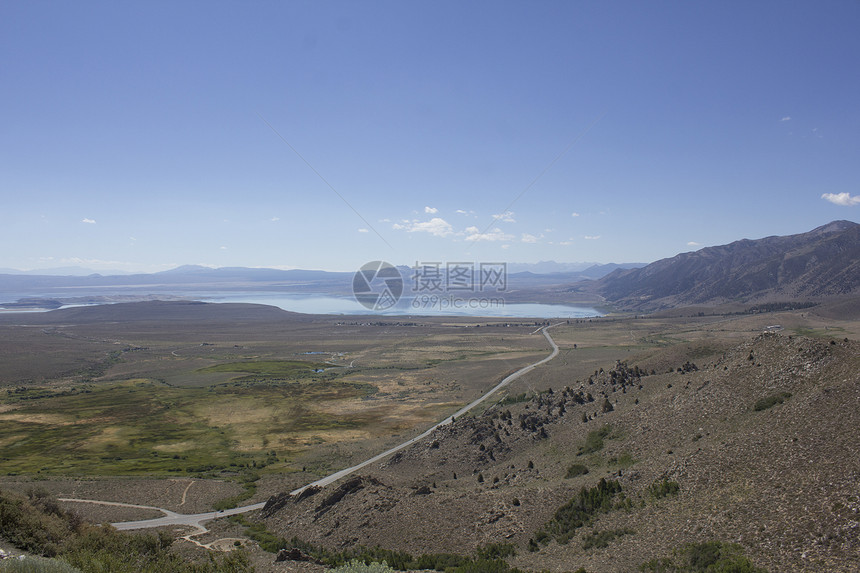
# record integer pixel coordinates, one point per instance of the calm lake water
(407, 306)
(329, 304)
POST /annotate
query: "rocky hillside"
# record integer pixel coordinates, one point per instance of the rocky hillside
(822, 263)
(755, 446)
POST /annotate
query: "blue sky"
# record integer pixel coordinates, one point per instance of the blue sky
(136, 136)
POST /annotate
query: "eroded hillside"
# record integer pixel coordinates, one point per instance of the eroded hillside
(758, 446)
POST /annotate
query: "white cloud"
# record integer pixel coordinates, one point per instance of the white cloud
(506, 217)
(363, 230)
(786, 118)
(574, 214)
(565, 243)
(275, 219)
(431, 210)
(223, 248)
(592, 237)
(529, 238)
(693, 244)
(436, 226)
(844, 199)
(88, 221)
(461, 212)
(474, 234)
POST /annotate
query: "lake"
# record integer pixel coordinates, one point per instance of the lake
(407, 306)
(423, 305)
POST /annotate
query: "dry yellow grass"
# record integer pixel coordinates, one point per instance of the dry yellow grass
(115, 435)
(34, 418)
(231, 411)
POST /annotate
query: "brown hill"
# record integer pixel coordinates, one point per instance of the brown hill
(761, 441)
(824, 262)
(158, 311)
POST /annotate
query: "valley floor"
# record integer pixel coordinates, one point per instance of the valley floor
(735, 429)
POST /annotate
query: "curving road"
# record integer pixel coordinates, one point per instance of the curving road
(195, 520)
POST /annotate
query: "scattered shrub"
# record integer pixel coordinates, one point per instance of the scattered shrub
(771, 401)
(661, 489)
(594, 440)
(496, 551)
(231, 502)
(623, 461)
(507, 400)
(576, 470)
(488, 559)
(36, 565)
(707, 557)
(602, 539)
(356, 566)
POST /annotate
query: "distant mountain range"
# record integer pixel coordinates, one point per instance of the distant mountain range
(812, 266)
(33, 290)
(300, 280)
(822, 263)
(590, 270)
(585, 269)
(176, 281)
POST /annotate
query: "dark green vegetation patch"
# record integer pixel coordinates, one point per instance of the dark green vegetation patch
(707, 557)
(771, 401)
(578, 512)
(515, 399)
(601, 539)
(36, 565)
(664, 488)
(594, 440)
(270, 369)
(487, 559)
(576, 470)
(35, 523)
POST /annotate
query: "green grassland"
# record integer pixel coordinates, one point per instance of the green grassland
(158, 399)
(144, 427)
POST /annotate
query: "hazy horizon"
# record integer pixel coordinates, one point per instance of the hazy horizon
(76, 270)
